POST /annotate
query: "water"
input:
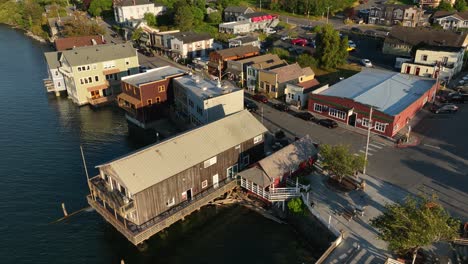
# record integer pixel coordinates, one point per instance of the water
(40, 167)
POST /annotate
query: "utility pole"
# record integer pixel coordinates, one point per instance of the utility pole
(437, 71)
(260, 5)
(368, 138)
(328, 10)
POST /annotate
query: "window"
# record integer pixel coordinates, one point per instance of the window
(161, 88)
(134, 90)
(87, 67)
(90, 80)
(245, 160)
(58, 84)
(204, 184)
(380, 126)
(150, 102)
(81, 81)
(170, 202)
(424, 57)
(123, 190)
(258, 139)
(209, 162)
(128, 72)
(337, 113)
(318, 108)
(79, 69)
(158, 99)
(199, 110)
(56, 73)
(96, 78)
(190, 102)
(365, 122)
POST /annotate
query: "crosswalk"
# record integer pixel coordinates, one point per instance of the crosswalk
(374, 147)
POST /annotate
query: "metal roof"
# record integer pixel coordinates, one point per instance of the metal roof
(205, 88)
(152, 75)
(99, 53)
(288, 158)
(149, 166)
(390, 92)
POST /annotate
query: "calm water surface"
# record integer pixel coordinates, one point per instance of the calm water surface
(40, 167)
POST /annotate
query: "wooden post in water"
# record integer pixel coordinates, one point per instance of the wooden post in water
(86, 171)
(64, 210)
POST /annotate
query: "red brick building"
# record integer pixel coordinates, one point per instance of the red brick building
(394, 97)
(145, 96)
(223, 56)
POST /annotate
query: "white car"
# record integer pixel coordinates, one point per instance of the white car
(367, 63)
(285, 37)
(447, 108)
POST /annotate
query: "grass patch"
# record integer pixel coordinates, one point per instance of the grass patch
(333, 76)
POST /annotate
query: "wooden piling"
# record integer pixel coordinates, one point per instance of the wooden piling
(64, 210)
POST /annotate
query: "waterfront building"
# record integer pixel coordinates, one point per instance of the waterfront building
(199, 101)
(79, 41)
(54, 82)
(146, 191)
(92, 74)
(146, 96)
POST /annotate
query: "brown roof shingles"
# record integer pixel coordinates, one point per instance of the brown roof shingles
(414, 36)
(238, 51)
(72, 42)
(291, 72)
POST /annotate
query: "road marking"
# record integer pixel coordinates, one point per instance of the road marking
(375, 146)
(379, 143)
(371, 149)
(369, 154)
(431, 146)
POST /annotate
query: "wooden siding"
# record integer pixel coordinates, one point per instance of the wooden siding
(152, 201)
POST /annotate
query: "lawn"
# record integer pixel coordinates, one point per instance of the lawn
(333, 76)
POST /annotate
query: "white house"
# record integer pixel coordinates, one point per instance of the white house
(432, 61)
(235, 27)
(244, 41)
(190, 44)
(298, 94)
(55, 83)
(129, 10)
(451, 20)
(199, 101)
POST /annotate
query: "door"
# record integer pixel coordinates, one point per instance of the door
(417, 71)
(215, 181)
(408, 69)
(352, 120)
(232, 171)
(189, 195)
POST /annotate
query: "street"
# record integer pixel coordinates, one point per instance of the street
(439, 164)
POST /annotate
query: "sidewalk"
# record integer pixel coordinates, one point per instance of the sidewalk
(361, 244)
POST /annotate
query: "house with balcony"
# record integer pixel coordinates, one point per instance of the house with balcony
(218, 59)
(451, 20)
(435, 61)
(92, 74)
(231, 13)
(404, 15)
(198, 101)
(238, 68)
(146, 96)
(273, 82)
(161, 41)
(55, 82)
(401, 40)
(190, 44)
(129, 11)
(252, 70)
(146, 191)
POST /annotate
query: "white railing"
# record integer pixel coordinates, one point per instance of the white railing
(281, 194)
(295, 183)
(254, 188)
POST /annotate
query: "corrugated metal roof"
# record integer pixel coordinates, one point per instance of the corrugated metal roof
(151, 165)
(288, 158)
(390, 92)
(99, 53)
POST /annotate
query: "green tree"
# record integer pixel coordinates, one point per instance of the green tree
(136, 35)
(150, 19)
(296, 206)
(305, 60)
(184, 18)
(81, 26)
(214, 18)
(445, 6)
(415, 223)
(98, 6)
(282, 53)
(460, 5)
(331, 49)
(340, 161)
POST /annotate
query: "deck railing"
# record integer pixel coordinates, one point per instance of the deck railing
(274, 195)
(101, 100)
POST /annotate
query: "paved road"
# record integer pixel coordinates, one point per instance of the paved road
(439, 164)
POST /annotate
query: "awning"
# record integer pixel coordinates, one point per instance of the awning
(110, 71)
(257, 176)
(98, 87)
(128, 98)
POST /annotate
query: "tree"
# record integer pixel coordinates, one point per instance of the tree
(460, 5)
(184, 18)
(136, 35)
(81, 26)
(445, 6)
(296, 206)
(98, 6)
(340, 161)
(415, 223)
(331, 49)
(305, 60)
(150, 19)
(282, 53)
(214, 17)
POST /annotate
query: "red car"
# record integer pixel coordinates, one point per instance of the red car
(260, 98)
(299, 41)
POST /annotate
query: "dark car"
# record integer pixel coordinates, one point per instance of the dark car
(328, 123)
(356, 30)
(305, 116)
(251, 106)
(281, 107)
(260, 98)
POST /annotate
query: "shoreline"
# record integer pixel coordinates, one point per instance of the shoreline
(27, 33)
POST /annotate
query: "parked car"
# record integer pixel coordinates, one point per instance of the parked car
(367, 63)
(251, 106)
(260, 98)
(313, 44)
(299, 41)
(281, 107)
(351, 45)
(285, 37)
(328, 123)
(356, 30)
(447, 108)
(305, 116)
(269, 31)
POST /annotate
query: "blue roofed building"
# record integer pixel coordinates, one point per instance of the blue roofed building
(395, 99)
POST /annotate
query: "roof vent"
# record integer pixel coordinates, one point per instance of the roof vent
(204, 88)
(94, 42)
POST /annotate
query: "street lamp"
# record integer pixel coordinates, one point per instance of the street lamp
(369, 126)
